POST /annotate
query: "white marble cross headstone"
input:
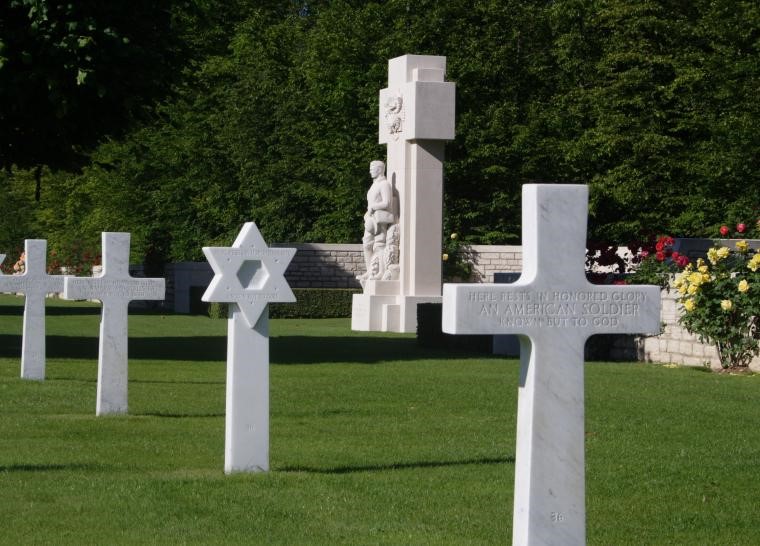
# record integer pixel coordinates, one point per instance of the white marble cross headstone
(34, 283)
(114, 288)
(249, 275)
(553, 309)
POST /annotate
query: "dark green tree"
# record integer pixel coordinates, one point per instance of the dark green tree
(73, 72)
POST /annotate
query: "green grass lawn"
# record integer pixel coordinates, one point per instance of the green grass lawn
(373, 441)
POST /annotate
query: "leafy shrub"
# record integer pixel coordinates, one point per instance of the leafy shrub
(721, 301)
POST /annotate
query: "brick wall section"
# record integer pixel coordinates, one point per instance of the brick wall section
(490, 259)
(318, 265)
(325, 266)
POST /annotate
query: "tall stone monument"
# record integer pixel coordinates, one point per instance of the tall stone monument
(416, 118)
(553, 309)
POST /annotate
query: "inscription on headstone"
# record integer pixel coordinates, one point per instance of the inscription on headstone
(553, 309)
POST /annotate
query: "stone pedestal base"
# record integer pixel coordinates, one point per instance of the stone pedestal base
(381, 309)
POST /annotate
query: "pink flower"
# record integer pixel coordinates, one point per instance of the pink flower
(741, 228)
(724, 230)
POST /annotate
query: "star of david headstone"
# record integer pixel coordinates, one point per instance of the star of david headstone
(249, 275)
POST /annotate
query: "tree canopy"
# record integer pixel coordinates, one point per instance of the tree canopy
(273, 118)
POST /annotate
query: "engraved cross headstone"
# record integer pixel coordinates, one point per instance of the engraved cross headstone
(114, 288)
(34, 283)
(553, 309)
(249, 275)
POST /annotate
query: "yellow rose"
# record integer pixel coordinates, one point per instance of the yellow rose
(726, 305)
(689, 305)
(742, 246)
(693, 289)
(712, 255)
(696, 278)
(706, 278)
(454, 236)
(683, 288)
(445, 257)
(754, 262)
(703, 269)
(700, 262)
(743, 286)
(723, 252)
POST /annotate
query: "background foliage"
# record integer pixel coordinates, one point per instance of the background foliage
(215, 113)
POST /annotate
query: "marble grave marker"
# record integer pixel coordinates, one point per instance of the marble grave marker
(249, 275)
(35, 284)
(553, 309)
(114, 288)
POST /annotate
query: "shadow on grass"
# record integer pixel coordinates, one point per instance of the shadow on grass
(397, 466)
(178, 415)
(283, 349)
(52, 467)
(142, 348)
(356, 349)
(62, 310)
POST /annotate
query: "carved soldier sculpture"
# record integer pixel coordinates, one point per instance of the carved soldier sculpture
(381, 229)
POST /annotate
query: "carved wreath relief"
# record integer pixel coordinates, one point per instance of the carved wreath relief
(394, 115)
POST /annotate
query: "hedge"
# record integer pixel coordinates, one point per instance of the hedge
(310, 303)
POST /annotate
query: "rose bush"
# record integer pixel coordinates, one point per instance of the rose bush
(721, 301)
(657, 264)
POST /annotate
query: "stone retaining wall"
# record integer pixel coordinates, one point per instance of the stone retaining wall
(336, 266)
(490, 259)
(318, 265)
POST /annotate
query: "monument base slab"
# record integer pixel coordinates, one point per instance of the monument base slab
(375, 313)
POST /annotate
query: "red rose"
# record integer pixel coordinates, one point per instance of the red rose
(675, 255)
(660, 256)
(683, 261)
(659, 246)
(741, 228)
(724, 230)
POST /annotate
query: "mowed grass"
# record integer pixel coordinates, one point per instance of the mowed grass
(373, 441)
